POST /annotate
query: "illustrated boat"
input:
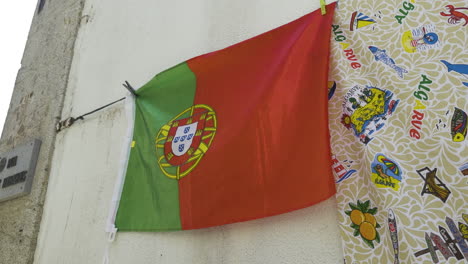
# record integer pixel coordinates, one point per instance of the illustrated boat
(459, 125)
(359, 20)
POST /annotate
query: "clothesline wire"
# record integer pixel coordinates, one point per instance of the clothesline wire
(126, 85)
(100, 108)
(71, 120)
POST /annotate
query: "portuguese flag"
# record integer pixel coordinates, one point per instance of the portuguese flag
(233, 135)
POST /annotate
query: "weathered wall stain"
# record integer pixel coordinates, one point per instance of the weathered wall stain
(35, 106)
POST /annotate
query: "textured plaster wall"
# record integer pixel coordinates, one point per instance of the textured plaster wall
(35, 106)
(123, 40)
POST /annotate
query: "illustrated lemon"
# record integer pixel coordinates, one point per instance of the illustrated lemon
(371, 219)
(367, 231)
(357, 217)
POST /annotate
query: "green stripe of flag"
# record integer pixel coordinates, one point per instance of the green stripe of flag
(150, 198)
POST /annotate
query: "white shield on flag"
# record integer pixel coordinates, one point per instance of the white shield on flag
(183, 139)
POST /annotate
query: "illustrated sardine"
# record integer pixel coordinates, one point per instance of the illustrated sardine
(392, 226)
(381, 55)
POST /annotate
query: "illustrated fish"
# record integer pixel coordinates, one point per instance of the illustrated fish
(381, 55)
(392, 226)
(459, 125)
(460, 68)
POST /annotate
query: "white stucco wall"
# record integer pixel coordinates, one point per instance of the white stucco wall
(133, 40)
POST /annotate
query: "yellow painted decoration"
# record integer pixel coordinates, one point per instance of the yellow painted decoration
(375, 107)
(419, 105)
(388, 182)
(406, 40)
(344, 45)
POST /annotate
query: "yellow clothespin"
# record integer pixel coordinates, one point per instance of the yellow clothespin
(323, 7)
